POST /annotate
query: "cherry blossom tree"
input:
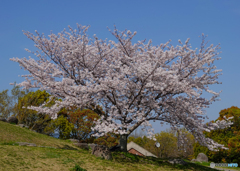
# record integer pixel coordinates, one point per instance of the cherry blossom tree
(135, 83)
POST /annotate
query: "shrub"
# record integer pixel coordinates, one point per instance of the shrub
(78, 168)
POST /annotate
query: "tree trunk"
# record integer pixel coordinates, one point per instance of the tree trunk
(123, 142)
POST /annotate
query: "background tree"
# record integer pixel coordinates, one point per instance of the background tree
(229, 137)
(83, 121)
(76, 123)
(8, 103)
(17, 93)
(62, 126)
(5, 100)
(150, 146)
(109, 140)
(29, 117)
(135, 83)
(185, 149)
(168, 144)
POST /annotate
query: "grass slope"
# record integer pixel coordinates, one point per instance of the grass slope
(65, 156)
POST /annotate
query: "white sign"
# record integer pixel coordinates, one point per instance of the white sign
(157, 144)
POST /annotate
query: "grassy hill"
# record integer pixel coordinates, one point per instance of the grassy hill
(63, 155)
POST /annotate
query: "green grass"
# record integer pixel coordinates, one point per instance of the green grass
(65, 156)
(11, 134)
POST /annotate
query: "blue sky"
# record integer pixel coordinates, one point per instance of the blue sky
(157, 20)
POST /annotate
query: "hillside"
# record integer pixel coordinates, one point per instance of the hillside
(63, 155)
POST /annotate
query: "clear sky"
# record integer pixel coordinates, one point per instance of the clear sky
(159, 20)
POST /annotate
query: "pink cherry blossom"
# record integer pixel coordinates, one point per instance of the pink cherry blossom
(135, 83)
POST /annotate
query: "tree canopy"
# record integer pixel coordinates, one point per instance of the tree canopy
(36, 121)
(135, 83)
(8, 103)
(4, 104)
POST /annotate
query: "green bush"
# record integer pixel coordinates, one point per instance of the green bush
(229, 137)
(78, 168)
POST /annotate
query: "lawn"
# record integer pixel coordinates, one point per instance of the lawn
(63, 155)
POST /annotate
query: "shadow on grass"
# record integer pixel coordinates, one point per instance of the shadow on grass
(9, 143)
(125, 157)
(67, 147)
